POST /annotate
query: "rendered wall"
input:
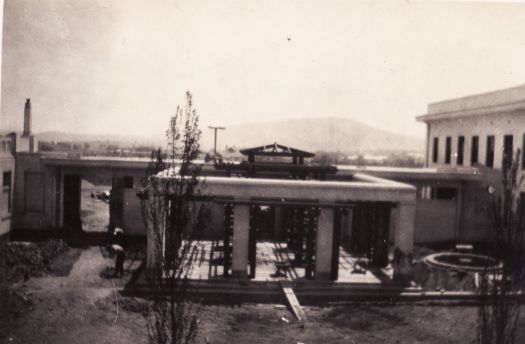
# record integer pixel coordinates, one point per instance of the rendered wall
(26, 143)
(435, 220)
(133, 222)
(499, 125)
(476, 225)
(26, 216)
(49, 190)
(476, 101)
(7, 163)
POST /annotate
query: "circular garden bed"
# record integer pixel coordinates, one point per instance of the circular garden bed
(462, 261)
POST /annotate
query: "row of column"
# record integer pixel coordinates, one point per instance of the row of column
(402, 224)
(403, 217)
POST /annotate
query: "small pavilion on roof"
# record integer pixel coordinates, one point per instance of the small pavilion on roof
(277, 161)
(277, 150)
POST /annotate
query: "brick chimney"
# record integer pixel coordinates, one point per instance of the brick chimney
(27, 118)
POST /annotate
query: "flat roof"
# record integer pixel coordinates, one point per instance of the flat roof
(417, 173)
(362, 180)
(383, 173)
(362, 188)
(93, 161)
(508, 99)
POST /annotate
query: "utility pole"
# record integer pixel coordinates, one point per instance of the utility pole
(215, 137)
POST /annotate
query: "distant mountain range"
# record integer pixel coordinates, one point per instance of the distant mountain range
(315, 134)
(312, 134)
(60, 136)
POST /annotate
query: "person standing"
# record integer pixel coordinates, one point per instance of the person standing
(120, 253)
(120, 256)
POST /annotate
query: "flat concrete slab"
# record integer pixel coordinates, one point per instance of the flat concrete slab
(208, 265)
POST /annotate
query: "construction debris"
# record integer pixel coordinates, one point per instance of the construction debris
(292, 300)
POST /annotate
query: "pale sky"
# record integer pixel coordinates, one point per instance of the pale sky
(112, 66)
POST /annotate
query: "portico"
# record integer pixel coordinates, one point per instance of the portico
(366, 208)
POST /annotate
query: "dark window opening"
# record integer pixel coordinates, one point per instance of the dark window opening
(128, 182)
(461, 146)
(489, 159)
(448, 150)
(6, 179)
(474, 150)
(507, 151)
(444, 193)
(6, 183)
(435, 150)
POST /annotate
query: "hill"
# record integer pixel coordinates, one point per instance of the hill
(59, 136)
(314, 134)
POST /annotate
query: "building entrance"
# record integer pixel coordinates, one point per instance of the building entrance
(72, 193)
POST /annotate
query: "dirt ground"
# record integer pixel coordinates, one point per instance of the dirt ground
(64, 309)
(352, 323)
(80, 308)
(78, 305)
(94, 212)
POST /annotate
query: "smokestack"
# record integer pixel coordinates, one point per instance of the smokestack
(27, 118)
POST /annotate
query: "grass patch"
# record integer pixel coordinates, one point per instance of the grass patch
(23, 260)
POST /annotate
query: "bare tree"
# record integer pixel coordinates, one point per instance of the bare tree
(171, 218)
(499, 310)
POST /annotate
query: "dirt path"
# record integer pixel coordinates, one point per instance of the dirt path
(67, 309)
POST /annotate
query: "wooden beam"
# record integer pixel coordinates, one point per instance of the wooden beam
(292, 300)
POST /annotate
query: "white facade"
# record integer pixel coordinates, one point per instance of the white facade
(7, 175)
(496, 114)
(496, 121)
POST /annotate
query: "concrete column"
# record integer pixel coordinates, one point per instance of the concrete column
(393, 225)
(323, 250)
(404, 237)
(241, 235)
(404, 242)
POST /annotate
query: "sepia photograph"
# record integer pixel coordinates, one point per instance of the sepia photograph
(262, 172)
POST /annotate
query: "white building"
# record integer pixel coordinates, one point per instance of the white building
(473, 136)
(476, 132)
(11, 144)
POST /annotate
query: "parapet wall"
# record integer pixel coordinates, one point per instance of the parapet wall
(477, 101)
